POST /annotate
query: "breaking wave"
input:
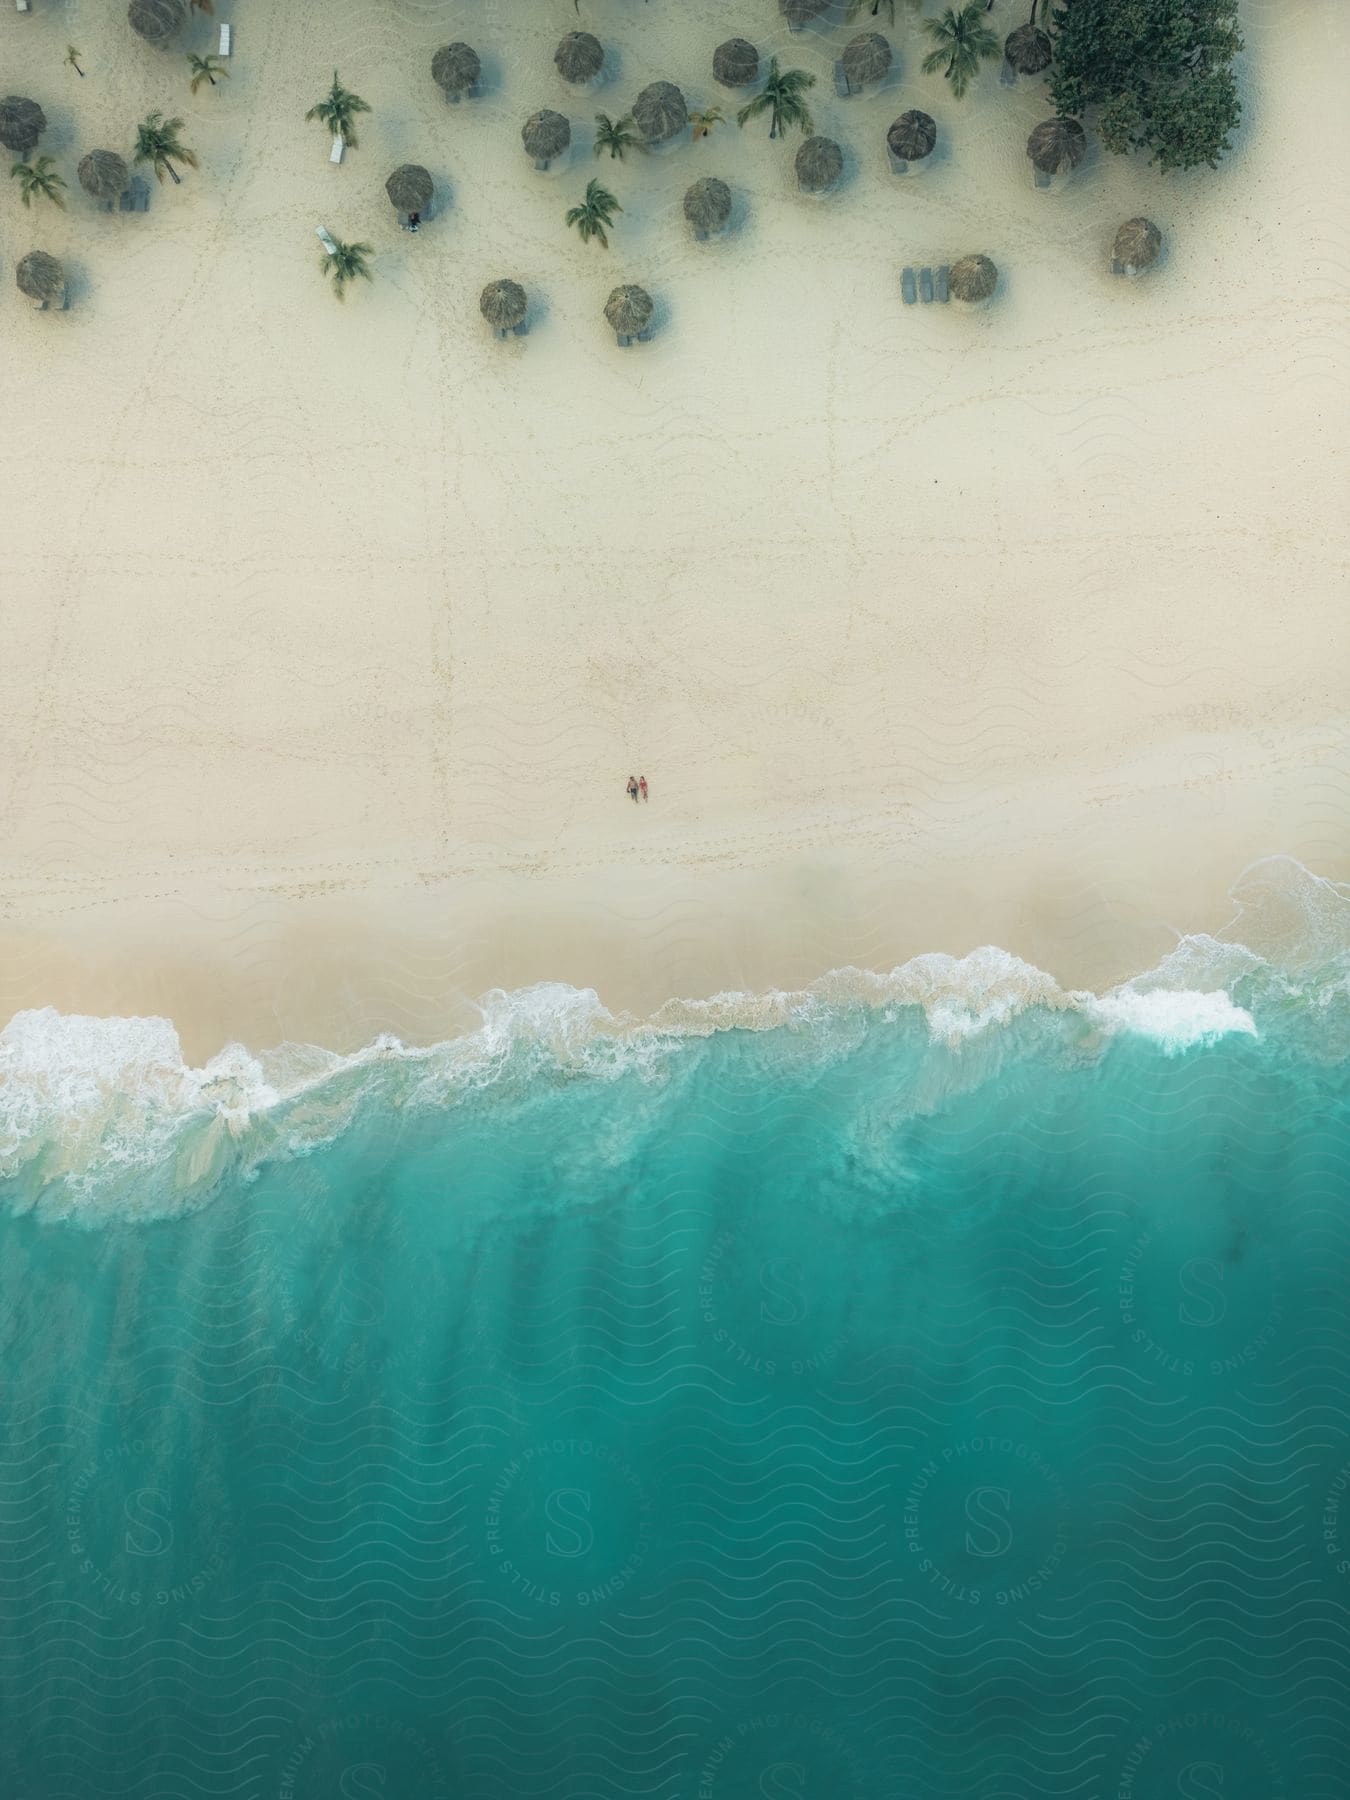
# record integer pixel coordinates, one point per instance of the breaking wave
(103, 1117)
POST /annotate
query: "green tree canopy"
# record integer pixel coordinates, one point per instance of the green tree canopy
(1159, 72)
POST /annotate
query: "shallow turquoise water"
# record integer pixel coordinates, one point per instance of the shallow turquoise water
(814, 1412)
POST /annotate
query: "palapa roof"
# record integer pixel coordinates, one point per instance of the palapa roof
(1138, 243)
(660, 113)
(629, 310)
(40, 276)
(156, 20)
(1029, 49)
(503, 304)
(973, 278)
(545, 134)
(103, 174)
(707, 204)
(912, 136)
(410, 188)
(1057, 145)
(801, 12)
(866, 57)
(580, 56)
(456, 67)
(736, 63)
(820, 163)
(22, 123)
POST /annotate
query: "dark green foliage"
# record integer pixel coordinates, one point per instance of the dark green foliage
(1159, 71)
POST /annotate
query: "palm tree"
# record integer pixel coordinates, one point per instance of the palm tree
(703, 122)
(157, 141)
(347, 262)
(616, 135)
(782, 98)
(963, 42)
(73, 58)
(39, 178)
(594, 214)
(206, 68)
(338, 110)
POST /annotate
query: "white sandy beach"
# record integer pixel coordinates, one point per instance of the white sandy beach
(331, 633)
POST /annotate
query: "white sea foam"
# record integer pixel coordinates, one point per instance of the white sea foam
(960, 997)
(1176, 1020)
(91, 1108)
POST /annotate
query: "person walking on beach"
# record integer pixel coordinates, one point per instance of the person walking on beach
(642, 786)
(633, 789)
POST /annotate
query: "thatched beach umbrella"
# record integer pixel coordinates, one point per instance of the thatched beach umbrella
(103, 175)
(1029, 49)
(866, 58)
(504, 305)
(629, 311)
(157, 21)
(579, 57)
(820, 163)
(973, 279)
(455, 68)
(545, 135)
(659, 112)
(1137, 247)
(911, 138)
(735, 63)
(707, 205)
(22, 123)
(801, 12)
(1057, 146)
(410, 188)
(40, 277)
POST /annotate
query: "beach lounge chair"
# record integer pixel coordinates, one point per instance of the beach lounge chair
(22, 6)
(1117, 266)
(908, 291)
(645, 335)
(135, 197)
(335, 154)
(842, 85)
(943, 292)
(325, 239)
(1007, 74)
(226, 39)
(622, 339)
(926, 286)
(1042, 179)
(521, 330)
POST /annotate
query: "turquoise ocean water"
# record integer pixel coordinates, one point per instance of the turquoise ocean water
(940, 1391)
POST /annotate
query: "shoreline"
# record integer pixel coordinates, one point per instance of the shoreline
(1103, 880)
(116, 1116)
